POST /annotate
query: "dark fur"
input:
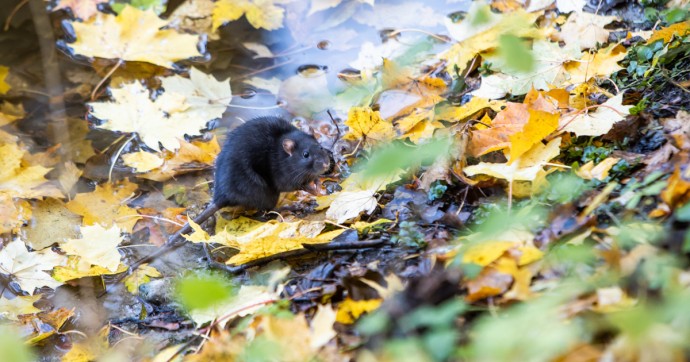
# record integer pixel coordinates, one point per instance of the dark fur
(253, 167)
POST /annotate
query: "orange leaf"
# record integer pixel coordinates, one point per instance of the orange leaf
(507, 122)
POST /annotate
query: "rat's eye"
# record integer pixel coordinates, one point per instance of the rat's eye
(306, 154)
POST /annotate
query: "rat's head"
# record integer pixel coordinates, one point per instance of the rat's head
(304, 155)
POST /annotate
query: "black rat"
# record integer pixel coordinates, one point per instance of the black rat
(260, 159)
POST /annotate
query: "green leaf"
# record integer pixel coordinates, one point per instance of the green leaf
(515, 53)
(202, 290)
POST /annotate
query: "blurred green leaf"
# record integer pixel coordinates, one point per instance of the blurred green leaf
(13, 348)
(202, 290)
(398, 155)
(516, 54)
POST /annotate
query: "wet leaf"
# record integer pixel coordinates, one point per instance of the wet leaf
(106, 205)
(20, 305)
(133, 35)
(97, 246)
(28, 269)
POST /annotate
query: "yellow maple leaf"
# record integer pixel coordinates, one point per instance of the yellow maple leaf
(51, 222)
(97, 246)
(75, 268)
(597, 122)
(133, 35)
(20, 180)
(199, 153)
(141, 275)
(420, 125)
(4, 71)
(106, 205)
(163, 121)
(262, 14)
(539, 125)
(469, 109)
(510, 120)
(201, 236)
(28, 269)
(667, 33)
(525, 168)
(350, 310)
(142, 161)
(13, 213)
(596, 65)
(518, 23)
(256, 240)
(19, 305)
(367, 124)
(585, 29)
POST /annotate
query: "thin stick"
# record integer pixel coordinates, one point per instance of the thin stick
(13, 13)
(117, 156)
(110, 72)
(308, 249)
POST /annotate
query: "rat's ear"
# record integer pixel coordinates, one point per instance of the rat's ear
(288, 146)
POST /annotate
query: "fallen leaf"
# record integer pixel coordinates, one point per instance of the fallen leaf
(597, 65)
(548, 71)
(510, 120)
(75, 268)
(141, 275)
(677, 191)
(585, 30)
(367, 124)
(275, 237)
(20, 180)
(588, 171)
(518, 23)
(526, 168)
(539, 125)
(666, 34)
(19, 305)
(322, 327)
(97, 246)
(28, 269)
(51, 222)
(4, 87)
(142, 161)
(599, 121)
(133, 35)
(350, 310)
(205, 97)
(165, 120)
(13, 213)
(10, 112)
(106, 205)
(261, 14)
(349, 204)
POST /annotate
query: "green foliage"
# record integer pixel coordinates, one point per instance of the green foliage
(409, 235)
(639, 107)
(158, 6)
(261, 349)
(437, 190)
(516, 54)
(534, 331)
(12, 347)
(399, 155)
(202, 290)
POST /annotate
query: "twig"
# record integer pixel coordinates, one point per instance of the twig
(110, 72)
(174, 242)
(308, 249)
